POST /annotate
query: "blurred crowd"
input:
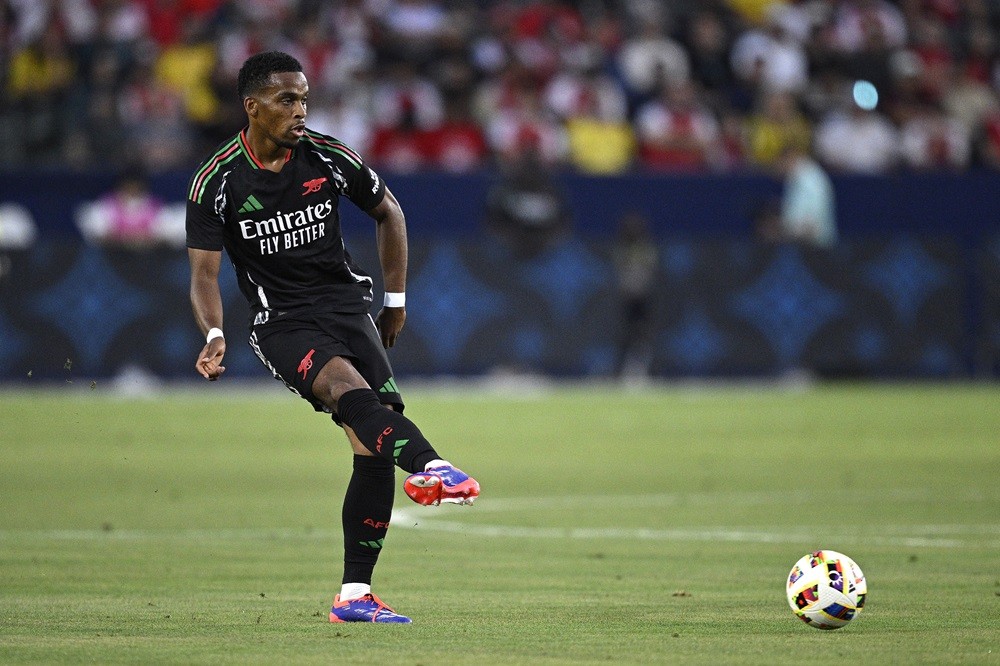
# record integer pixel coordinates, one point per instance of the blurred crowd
(600, 86)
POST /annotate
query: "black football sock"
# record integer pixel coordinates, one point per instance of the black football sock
(385, 432)
(367, 508)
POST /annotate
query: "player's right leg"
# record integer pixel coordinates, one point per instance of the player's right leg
(392, 436)
(432, 480)
(311, 359)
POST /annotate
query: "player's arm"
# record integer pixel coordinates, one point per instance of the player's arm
(206, 302)
(390, 234)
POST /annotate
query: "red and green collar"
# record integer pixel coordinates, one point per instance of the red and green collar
(245, 147)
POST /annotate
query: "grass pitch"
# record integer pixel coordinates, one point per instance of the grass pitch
(652, 527)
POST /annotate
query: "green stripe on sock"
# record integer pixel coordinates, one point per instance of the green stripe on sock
(398, 449)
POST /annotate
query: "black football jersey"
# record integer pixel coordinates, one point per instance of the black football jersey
(282, 230)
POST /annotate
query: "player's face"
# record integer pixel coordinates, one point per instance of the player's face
(280, 108)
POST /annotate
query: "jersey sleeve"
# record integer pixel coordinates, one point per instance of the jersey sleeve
(204, 225)
(366, 190)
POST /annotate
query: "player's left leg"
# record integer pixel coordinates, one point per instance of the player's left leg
(366, 514)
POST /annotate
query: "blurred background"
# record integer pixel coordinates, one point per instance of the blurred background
(611, 189)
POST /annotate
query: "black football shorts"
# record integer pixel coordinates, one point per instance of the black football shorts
(295, 350)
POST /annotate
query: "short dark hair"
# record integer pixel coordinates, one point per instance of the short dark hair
(257, 70)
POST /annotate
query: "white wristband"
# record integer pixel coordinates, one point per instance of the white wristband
(213, 333)
(395, 299)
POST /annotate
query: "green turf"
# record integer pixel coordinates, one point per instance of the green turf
(653, 526)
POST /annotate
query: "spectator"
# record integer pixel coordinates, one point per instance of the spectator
(320, 56)
(17, 228)
(754, 12)
(587, 88)
(245, 33)
(102, 120)
(797, 18)
(594, 111)
(932, 140)
(458, 145)
(775, 127)
(988, 142)
(707, 41)
(526, 208)
(857, 140)
(808, 209)
(72, 69)
(348, 22)
(770, 59)
(541, 32)
(872, 59)
(406, 95)
(128, 217)
(522, 118)
(76, 19)
(826, 91)
(650, 59)
(164, 21)
(854, 19)
(345, 114)
(39, 81)
(186, 69)
(733, 142)
(599, 143)
(969, 100)
(400, 147)
(676, 132)
(636, 257)
(158, 134)
(122, 22)
(980, 58)
(930, 45)
(414, 29)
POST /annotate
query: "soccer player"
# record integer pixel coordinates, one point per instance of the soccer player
(269, 196)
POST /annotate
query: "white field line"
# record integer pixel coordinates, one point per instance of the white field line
(442, 519)
(732, 498)
(908, 536)
(891, 535)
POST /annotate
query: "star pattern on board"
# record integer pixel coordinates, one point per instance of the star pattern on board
(91, 305)
(788, 305)
(695, 344)
(906, 275)
(453, 302)
(566, 277)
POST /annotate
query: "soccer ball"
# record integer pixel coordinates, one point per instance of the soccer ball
(826, 589)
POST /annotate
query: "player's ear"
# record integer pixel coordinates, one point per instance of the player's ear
(250, 106)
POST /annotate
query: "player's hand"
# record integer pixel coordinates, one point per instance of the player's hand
(209, 364)
(389, 323)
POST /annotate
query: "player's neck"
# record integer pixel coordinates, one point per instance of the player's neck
(264, 152)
